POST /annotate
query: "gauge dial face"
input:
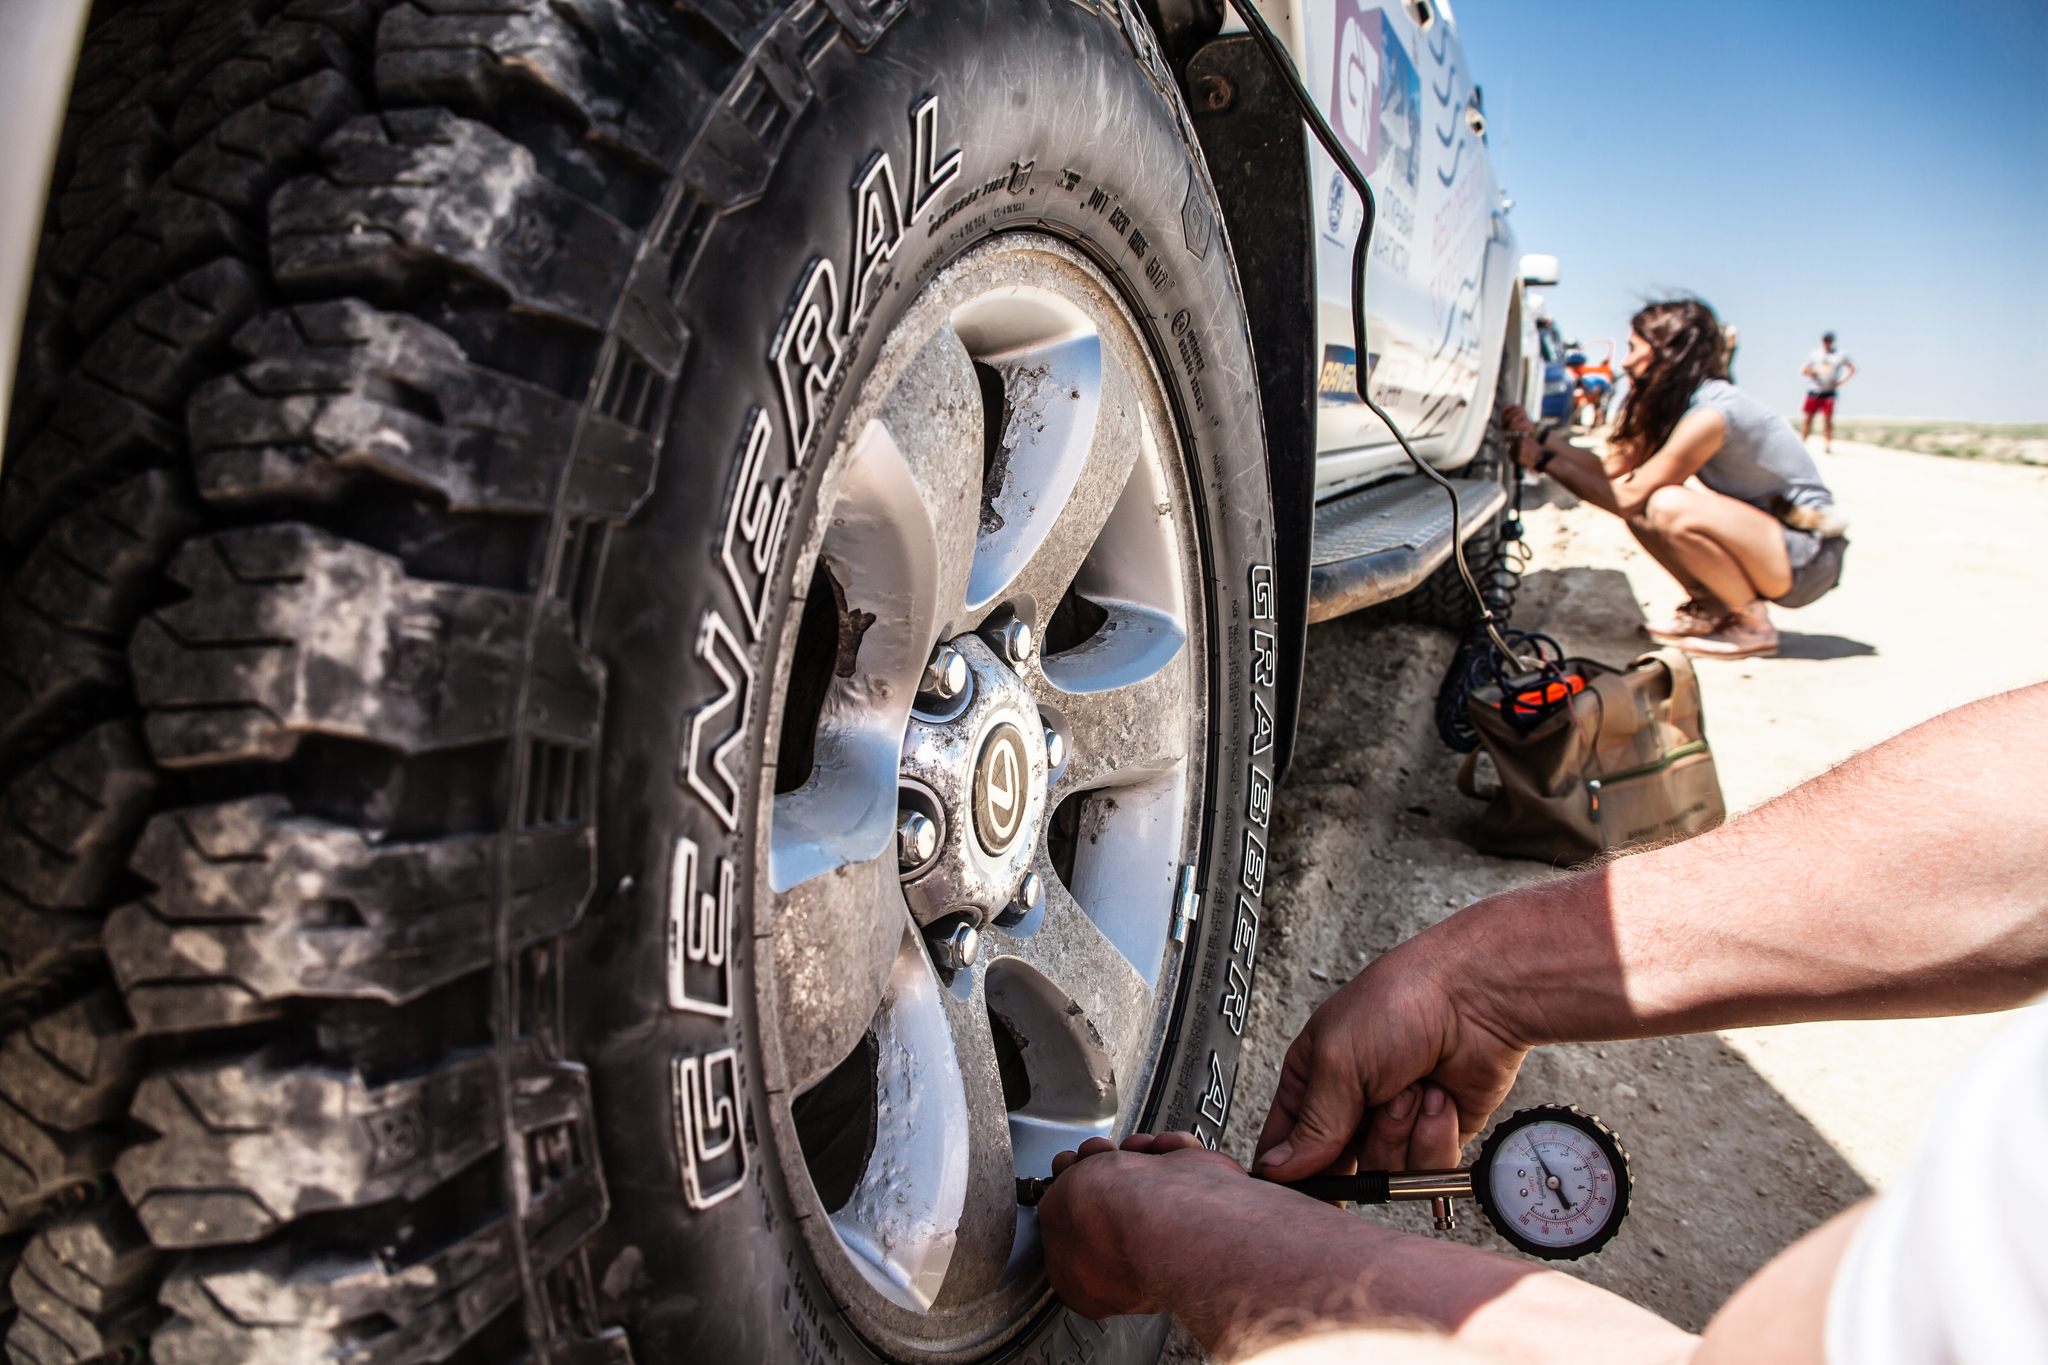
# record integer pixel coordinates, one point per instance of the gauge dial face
(1552, 1183)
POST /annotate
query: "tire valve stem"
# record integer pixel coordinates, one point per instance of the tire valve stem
(1187, 904)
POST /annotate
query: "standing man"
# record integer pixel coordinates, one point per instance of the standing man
(1826, 370)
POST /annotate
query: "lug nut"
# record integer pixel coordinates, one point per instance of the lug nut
(1013, 641)
(917, 839)
(955, 950)
(1030, 895)
(945, 676)
(1055, 748)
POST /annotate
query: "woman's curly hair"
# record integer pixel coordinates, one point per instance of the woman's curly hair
(1687, 348)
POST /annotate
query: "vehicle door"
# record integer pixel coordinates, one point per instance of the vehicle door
(1398, 94)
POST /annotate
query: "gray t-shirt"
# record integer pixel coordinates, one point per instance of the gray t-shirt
(1825, 369)
(1761, 458)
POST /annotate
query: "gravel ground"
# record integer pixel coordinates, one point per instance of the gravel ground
(1371, 846)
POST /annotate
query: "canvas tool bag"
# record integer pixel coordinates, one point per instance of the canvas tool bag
(1623, 762)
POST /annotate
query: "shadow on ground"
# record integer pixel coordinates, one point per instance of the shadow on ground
(1793, 645)
(1593, 613)
(1370, 848)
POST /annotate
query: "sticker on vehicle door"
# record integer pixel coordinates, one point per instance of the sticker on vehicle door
(1375, 94)
(1337, 382)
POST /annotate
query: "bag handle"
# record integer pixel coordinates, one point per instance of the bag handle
(1617, 711)
(1685, 684)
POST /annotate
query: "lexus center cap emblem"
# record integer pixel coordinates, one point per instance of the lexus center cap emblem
(1000, 777)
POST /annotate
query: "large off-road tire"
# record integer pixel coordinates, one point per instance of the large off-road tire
(485, 481)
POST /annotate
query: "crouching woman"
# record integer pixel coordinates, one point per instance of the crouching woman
(1764, 527)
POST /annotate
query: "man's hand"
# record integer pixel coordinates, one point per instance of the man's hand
(1398, 1042)
(1165, 1224)
(1521, 434)
(1098, 1219)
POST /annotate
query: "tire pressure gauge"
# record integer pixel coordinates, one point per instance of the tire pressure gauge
(1553, 1181)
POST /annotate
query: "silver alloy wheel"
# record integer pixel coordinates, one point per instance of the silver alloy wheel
(953, 530)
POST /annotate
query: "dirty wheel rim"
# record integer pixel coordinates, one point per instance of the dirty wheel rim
(1010, 468)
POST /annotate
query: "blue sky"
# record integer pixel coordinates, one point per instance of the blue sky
(1877, 167)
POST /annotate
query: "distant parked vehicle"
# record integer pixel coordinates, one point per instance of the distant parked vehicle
(1557, 375)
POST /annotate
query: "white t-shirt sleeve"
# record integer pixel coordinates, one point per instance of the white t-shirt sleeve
(1950, 1267)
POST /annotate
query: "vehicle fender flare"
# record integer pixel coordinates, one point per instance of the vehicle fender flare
(1257, 152)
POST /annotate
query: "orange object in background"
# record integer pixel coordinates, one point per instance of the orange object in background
(1551, 693)
(1592, 385)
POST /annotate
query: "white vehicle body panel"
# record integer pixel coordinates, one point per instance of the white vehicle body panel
(1441, 279)
(39, 42)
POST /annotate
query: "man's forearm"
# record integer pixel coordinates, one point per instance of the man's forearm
(1581, 471)
(1911, 880)
(1240, 1262)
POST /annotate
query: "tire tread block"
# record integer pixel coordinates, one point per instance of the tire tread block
(116, 161)
(120, 408)
(308, 36)
(119, 155)
(39, 951)
(614, 63)
(291, 630)
(132, 47)
(411, 193)
(263, 1308)
(254, 905)
(332, 392)
(38, 1164)
(245, 1146)
(67, 822)
(249, 1144)
(65, 617)
(83, 1288)
(74, 1067)
(201, 209)
(239, 1308)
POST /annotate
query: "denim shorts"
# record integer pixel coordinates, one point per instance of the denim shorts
(1816, 565)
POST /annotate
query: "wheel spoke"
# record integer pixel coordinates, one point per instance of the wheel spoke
(1076, 959)
(898, 547)
(1126, 698)
(1067, 453)
(836, 940)
(1127, 861)
(882, 553)
(903, 1219)
(988, 1216)
(934, 414)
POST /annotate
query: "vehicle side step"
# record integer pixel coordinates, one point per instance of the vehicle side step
(1382, 541)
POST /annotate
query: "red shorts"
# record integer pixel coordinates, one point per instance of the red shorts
(1820, 402)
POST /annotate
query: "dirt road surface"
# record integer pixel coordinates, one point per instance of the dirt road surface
(1744, 1141)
